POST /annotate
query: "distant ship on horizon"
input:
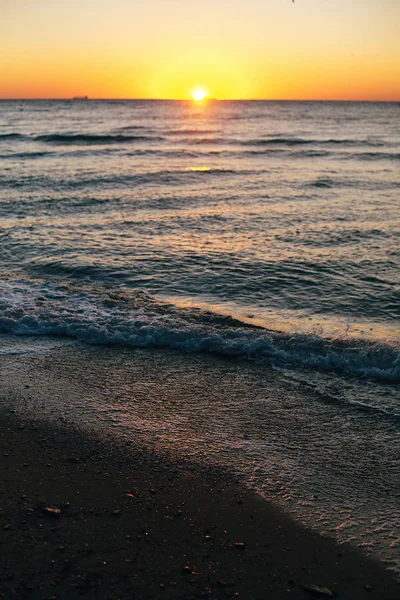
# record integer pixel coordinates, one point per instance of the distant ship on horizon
(80, 98)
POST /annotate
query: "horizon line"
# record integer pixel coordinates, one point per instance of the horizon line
(87, 99)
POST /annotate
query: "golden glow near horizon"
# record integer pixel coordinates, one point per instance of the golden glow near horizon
(256, 49)
(199, 94)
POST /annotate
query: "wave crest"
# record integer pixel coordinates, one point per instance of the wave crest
(139, 320)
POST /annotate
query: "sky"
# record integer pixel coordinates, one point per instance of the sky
(233, 49)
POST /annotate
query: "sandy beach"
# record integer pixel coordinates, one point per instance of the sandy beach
(97, 515)
(131, 526)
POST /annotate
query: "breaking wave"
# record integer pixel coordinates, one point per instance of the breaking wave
(139, 320)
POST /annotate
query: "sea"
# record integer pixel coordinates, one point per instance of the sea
(243, 257)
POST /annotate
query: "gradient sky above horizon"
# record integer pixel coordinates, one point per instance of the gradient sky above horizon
(269, 49)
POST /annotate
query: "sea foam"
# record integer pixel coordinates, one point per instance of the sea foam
(139, 320)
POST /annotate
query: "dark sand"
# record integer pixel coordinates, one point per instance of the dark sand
(133, 526)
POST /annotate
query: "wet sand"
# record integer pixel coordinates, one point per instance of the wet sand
(132, 525)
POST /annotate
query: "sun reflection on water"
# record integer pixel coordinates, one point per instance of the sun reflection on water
(198, 168)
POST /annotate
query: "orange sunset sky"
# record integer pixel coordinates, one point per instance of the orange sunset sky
(255, 49)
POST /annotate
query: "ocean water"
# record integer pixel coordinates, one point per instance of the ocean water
(146, 223)
(264, 234)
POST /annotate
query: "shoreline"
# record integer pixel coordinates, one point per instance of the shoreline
(133, 525)
(233, 452)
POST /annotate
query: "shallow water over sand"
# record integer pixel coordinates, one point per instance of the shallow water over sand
(330, 463)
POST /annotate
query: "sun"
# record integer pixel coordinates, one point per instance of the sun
(198, 94)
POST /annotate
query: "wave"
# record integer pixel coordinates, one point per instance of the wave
(323, 183)
(24, 155)
(294, 141)
(188, 131)
(85, 138)
(315, 153)
(273, 144)
(129, 128)
(139, 320)
(280, 141)
(11, 136)
(172, 177)
(167, 176)
(378, 155)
